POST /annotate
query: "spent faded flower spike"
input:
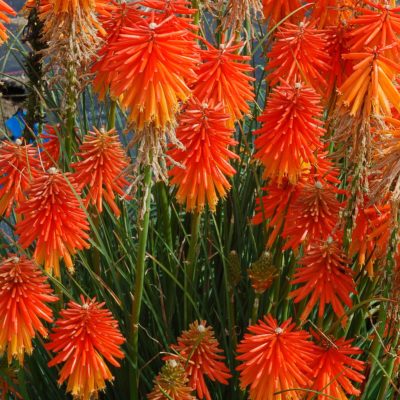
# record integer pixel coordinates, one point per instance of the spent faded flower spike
(171, 383)
(84, 337)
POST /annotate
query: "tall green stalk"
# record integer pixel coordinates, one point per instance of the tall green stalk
(112, 114)
(71, 94)
(139, 283)
(165, 217)
(387, 379)
(196, 18)
(191, 264)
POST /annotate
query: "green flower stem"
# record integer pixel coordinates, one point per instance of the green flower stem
(376, 348)
(387, 379)
(254, 311)
(191, 264)
(165, 216)
(70, 110)
(112, 115)
(196, 5)
(139, 282)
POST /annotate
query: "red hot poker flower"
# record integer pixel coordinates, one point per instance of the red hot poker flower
(18, 166)
(203, 131)
(52, 217)
(178, 9)
(370, 87)
(223, 78)
(151, 65)
(371, 234)
(329, 13)
(376, 26)
(85, 336)
(276, 10)
(273, 206)
(299, 54)
(24, 294)
(201, 350)
(49, 146)
(4, 10)
(335, 369)
(291, 130)
(124, 15)
(313, 215)
(275, 359)
(101, 168)
(325, 278)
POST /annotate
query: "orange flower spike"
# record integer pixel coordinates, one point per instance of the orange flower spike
(371, 234)
(123, 15)
(325, 171)
(290, 133)
(49, 146)
(172, 382)
(276, 10)
(332, 12)
(180, 10)
(224, 77)
(205, 157)
(379, 26)
(335, 369)
(371, 83)
(275, 359)
(274, 205)
(201, 350)
(152, 64)
(105, 9)
(340, 69)
(325, 278)
(52, 217)
(102, 168)
(299, 53)
(4, 10)
(84, 338)
(313, 215)
(18, 166)
(24, 294)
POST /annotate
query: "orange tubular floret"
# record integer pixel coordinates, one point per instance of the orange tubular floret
(290, 133)
(53, 217)
(149, 66)
(223, 77)
(203, 175)
(4, 10)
